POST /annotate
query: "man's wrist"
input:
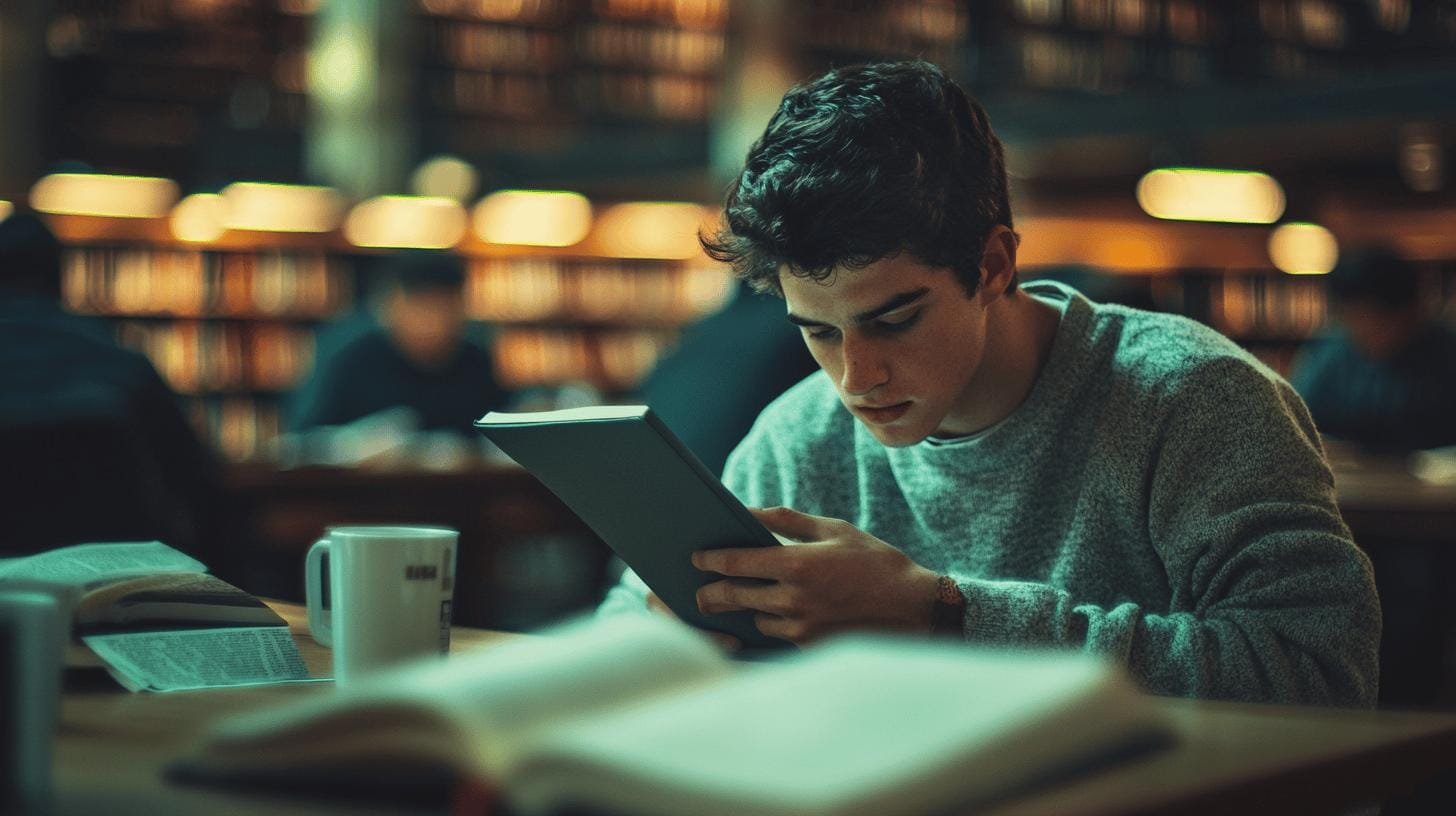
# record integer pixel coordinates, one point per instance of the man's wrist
(948, 613)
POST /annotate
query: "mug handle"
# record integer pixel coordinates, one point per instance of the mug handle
(320, 620)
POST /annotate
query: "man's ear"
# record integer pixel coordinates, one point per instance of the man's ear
(998, 261)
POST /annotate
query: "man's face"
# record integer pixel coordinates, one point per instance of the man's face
(427, 325)
(900, 340)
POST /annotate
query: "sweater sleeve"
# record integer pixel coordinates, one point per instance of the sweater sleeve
(1271, 600)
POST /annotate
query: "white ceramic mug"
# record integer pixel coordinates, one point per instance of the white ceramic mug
(390, 590)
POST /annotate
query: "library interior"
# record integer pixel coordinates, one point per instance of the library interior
(265, 265)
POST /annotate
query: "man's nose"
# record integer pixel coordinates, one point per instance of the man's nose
(864, 369)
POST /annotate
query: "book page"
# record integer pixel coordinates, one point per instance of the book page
(200, 658)
(91, 563)
(179, 598)
(865, 726)
(502, 696)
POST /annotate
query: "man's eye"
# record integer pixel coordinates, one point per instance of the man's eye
(823, 334)
(898, 322)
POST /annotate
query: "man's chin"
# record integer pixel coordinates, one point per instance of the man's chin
(893, 437)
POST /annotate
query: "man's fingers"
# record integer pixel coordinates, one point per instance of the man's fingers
(790, 629)
(730, 596)
(725, 641)
(769, 563)
(788, 522)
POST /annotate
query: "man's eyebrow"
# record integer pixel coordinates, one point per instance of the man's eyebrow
(890, 305)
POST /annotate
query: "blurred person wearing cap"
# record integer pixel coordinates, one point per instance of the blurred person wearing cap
(1384, 375)
(1005, 463)
(95, 444)
(418, 356)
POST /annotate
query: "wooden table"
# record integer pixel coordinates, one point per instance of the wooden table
(1383, 501)
(1230, 758)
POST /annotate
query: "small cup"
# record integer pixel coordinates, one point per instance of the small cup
(390, 590)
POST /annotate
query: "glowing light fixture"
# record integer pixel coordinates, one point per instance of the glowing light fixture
(1302, 248)
(338, 65)
(199, 217)
(281, 207)
(533, 217)
(6, 208)
(651, 229)
(414, 222)
(1201, 194)
(103, 195)
(444, 176)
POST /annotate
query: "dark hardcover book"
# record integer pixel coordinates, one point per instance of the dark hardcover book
(643, 492)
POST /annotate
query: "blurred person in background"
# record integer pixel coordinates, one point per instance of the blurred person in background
(1006, 463)
(30, 278)
(94, 443)
(418, 357)
(1384, 376)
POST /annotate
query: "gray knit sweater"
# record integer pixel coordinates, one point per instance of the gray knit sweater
(1160, 497)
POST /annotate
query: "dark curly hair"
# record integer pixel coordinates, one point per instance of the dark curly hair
(861, 164)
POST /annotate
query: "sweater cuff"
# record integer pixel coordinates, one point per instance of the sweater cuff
(1019, 613)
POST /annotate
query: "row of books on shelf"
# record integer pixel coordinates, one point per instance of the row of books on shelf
(609, 360)
(487, 45)
(192, 283)
(547, 289)
(837, 31)
(609, 94)
(201, 357)
(1186, 21)
(1329, 25)
(662, 48)
(687, 13)
(1252, 306)
(1048, 60)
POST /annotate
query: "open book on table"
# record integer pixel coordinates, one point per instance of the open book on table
(156, 620)
(643, 716)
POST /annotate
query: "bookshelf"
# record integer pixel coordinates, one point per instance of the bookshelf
(231, 325)
(231, 330)
(138, 85)
(568, 84)
(597, 320)
(561, 89)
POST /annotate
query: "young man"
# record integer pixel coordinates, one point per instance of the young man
(420, 357)
(1014, 465)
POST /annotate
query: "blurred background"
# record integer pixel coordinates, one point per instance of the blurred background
(229, 180)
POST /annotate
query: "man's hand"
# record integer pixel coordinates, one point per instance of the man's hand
(839, 578)
(726, 642)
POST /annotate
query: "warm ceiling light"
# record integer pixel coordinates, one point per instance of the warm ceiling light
(6, 208)
(446, 177)
(281, 207)
(103, 195)
(1198, 194)
(651, 229)
(533, 217)
(1302, 248)
(406, 222)
(199, 217)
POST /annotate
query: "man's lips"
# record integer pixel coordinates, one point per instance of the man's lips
(881, 415)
